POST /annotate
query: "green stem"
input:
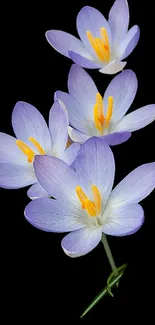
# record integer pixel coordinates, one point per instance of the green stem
(102, 293)
(109, 254)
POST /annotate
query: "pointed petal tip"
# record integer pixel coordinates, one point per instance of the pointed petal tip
(55, 95)
(86, 8)
(19, 103)
(47, 34)
(37, 160)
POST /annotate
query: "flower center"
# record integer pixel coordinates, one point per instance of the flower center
(27, 150)
(101, 121)
(93, 208)
(100, 44)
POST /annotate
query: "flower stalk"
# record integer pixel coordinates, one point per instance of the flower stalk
(109, 254)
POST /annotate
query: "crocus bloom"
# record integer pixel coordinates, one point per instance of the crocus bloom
(33, 137)
(85, 203)
(104, 44)
(89, 115)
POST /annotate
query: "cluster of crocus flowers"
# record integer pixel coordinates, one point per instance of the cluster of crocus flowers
(79, 178)
(71, 185)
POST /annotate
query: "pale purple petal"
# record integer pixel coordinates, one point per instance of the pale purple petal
(50, 215)
(77, 136)
(28, 122)
(36, 191)
(111, 139)
(75, 111)
(16, 176)
(116, 138)
(9, 151)
(70, 153)
(81, 242)
(90, 19)
(134, 187)
(123, 220)
(123, 89)
(130, 42)
(58, 125)
(58, 179)
(137, 119)
(83, 61)
(95, 166)
(113, 67)
(63, 42)
(82, 87)
(119, 20)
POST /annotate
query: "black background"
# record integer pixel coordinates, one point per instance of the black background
(40, 281)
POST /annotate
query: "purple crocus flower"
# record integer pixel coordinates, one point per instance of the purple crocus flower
(33, 137)
(104, 44)
(85, 203)
(90, 115)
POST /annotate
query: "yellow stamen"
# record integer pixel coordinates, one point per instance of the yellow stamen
(105, 40)
(98, 113)
(92, 208)
(96, 118)
(97, 198)
(38, 146)
(81, 196)
(92, 41)
(26, 150)
(109, 110)
(99, 103)
(100, 45)
(100, 51)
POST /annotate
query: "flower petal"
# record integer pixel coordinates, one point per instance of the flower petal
(113, 67)
(58, 125)
(82, 87)
(77, 136)
(9, 152)
(16, 176)
(28, 122)
(111, 139)
(75, 111)
(116, 138)
(123, 89)
(90, 19)
(81, 242)
(95, 166)
(130, 42)
(36, 191)
(83, 61)
(119, 20)
(50, 215)
(57, 178)
(137, 119)
(123, 220)
(70, 153)
(63, 42)
(134, 187)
